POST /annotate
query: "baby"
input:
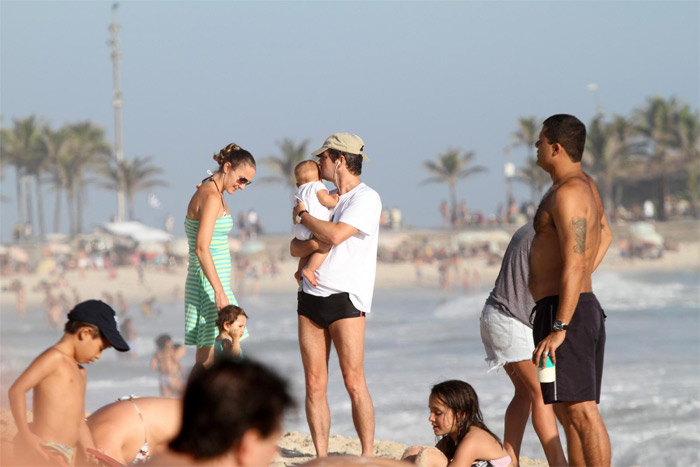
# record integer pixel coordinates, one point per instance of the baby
(58, 383)
(314, 194)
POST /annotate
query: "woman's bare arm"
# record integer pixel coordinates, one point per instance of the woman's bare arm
(207, 220)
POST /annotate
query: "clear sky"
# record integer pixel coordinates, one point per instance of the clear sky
(411, 78)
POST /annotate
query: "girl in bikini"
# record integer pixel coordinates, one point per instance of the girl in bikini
(465, 440)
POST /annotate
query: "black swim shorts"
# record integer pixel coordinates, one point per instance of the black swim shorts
(324, 311)
(579, 367)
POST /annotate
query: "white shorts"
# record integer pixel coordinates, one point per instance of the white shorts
(505, 339)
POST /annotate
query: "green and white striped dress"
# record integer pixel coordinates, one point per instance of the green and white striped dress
(200, 306)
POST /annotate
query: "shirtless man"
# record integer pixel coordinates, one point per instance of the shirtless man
(571, 238)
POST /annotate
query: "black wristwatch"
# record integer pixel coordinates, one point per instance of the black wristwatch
(298, 219)
(559, 326)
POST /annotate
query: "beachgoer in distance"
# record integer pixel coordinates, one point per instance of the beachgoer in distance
(333, 312)
(208, 222)
(571, 239)
(171, 374)
(58, 383)
(232, 415)
(313, 193)
(231, 323)
(506, 333)
(466, 441)
(132, 430)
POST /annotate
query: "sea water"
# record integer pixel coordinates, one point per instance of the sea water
(418, 337)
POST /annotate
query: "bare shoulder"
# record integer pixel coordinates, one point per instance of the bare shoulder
(574, 186)
(576, 193)
(204, 197)
(51, 358)
(479, 435)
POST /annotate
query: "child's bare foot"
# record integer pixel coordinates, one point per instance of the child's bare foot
(310, 276)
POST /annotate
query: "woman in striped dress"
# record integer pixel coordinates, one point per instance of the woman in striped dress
(208, 222)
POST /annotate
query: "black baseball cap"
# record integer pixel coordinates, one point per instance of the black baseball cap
(103, 316)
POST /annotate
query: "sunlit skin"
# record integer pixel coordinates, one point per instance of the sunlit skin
(206, 206)
(235, 329)
(442, 418)
(91, 350)
(347, 335)
(477, 444)
(58, 383)
(572, 236)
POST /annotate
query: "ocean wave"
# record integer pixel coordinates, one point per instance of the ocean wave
(642, 293)
(461, 307)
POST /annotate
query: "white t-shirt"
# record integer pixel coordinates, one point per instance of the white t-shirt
(351, 266)
(307, 193)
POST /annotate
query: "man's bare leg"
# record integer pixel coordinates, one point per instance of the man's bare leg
(587, 438)
(349, 339)
(315, 345)
(543, 420)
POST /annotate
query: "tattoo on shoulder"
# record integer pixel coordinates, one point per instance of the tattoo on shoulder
(579, 225)
(602, 226)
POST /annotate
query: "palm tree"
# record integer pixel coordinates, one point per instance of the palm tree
(528, 133)
(55, 144)
(450, 167)
(86, 143)
(655, 123)
(609, 148)
(688, 134)
(290, 155)
(21, 147)
(534, 177)
(138, 175)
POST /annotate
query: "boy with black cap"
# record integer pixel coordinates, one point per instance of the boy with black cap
(58, 382)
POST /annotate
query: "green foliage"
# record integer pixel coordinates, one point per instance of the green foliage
(283, 165)
(450, 167)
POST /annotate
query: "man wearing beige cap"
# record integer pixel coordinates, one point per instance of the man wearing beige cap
(334, 310)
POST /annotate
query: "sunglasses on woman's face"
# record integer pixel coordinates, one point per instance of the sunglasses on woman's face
(243, 181)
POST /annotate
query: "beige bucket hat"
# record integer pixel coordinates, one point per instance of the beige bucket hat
(343, 142)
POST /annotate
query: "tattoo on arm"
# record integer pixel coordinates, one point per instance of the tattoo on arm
(579, 225)
(602, 226)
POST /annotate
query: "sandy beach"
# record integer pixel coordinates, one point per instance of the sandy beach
(295, 448)
(167, 286)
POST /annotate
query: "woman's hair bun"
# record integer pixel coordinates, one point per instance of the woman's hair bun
(235, 155)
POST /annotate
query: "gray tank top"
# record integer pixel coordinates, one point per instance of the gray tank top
(510, 293)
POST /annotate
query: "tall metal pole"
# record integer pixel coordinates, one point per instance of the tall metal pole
(117, 102)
